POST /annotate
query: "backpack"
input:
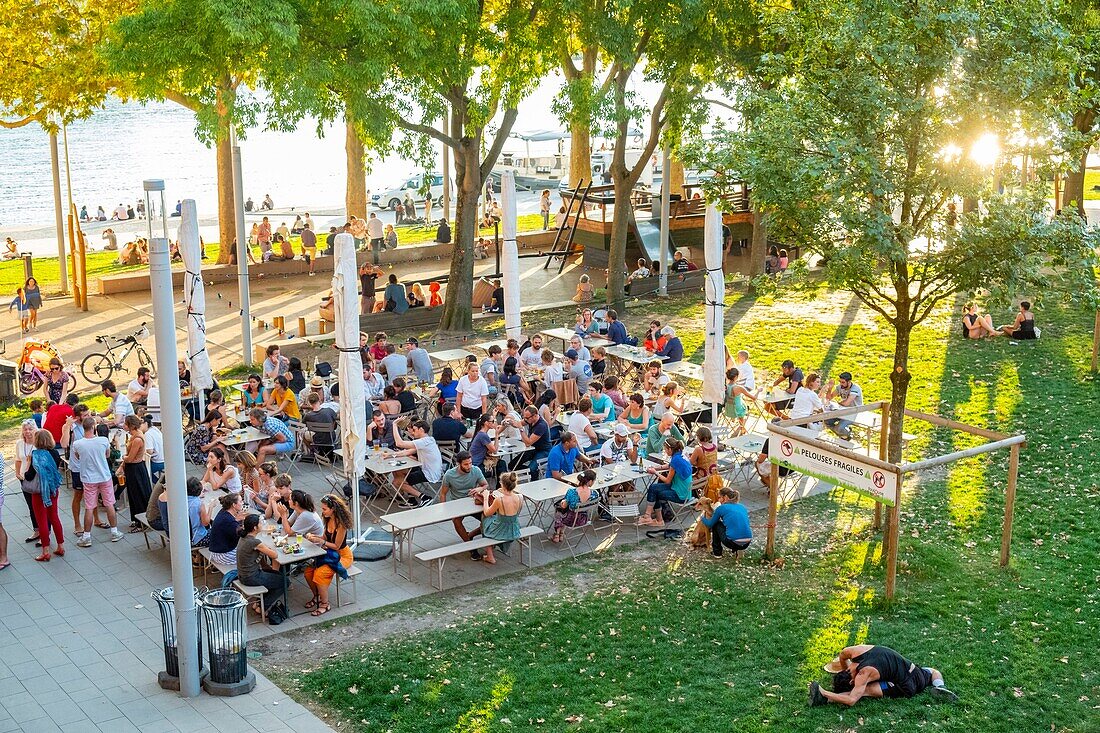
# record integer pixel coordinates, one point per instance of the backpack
(277, 613)
(323, 369)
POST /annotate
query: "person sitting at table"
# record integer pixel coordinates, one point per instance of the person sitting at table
(379, 431)
(808, 400)
(654, 378)
(794, 378)
(586, 324)
(295, 376)
(221, 473)
(622, 447)
(1023, 328)
(580, 424)
(728, 524)
(280, 437)
(253, 394)
(457, 483)
(672, 483)
(565, 511)
(603, 409)
(389, 404)
(250, 555)
(536, 436)
(734, 408)
(508, 420)
(378, 350)
(449, 427)
(280, 495)
(393, 298)
(530, 359)
(636, 412)
(500, 520)
(406, 398)
(430, 470)
(260, 495)
(203, 436)
(548, 407)
(509, 375)
(483, 446)
(280, 401)
(659, 433)
(446, 390)
(704, 461)
(223, 530)
(599, 361)
(577, 345)
(654, 337)
(316, 386)
(374, 384)
(394, 365)
(846, 393)
(616, 330)
(975, 326)
(419, 361)
(416, 296)
(552, 371)
(578, 370)
(275, 364)
(673, 350)
(337, 558)
(198, 513)
(322, 440)
(302, 517)
(671, 400)
(764, 466)
(563, 457)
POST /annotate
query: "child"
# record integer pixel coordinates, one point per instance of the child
(783, 260)
(611, 389)
(433, 295)
(37, 411)
(20, 301)
(599, 361)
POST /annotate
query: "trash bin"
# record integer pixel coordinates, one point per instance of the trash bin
(8, 371)
(223, 611)
(169, 679)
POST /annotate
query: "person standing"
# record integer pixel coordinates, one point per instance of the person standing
(544, 208)
(23, 449)
(34, 300)
(368, 274)
(138, 485)
(473, 393)
(4, 562)
(375, 235)
(44, 478)
(22, 305)
(92, 454)
(263, 237)
(309, 247)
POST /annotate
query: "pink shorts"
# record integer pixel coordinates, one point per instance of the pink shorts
(93, 490)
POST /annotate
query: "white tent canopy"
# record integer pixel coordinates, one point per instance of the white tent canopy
(510, 259)
(714, 363)
(194, 297)
(353, 414)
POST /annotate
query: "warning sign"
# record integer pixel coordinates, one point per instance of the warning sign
(835, 468)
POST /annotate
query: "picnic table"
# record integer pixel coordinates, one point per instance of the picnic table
(686, 369)
(451, 357)
(286, 561)
(565, 335)
(404, 524)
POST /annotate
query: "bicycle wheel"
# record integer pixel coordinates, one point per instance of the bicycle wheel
(29, 383)
(97, 368)
(146, 361)
(72, 382)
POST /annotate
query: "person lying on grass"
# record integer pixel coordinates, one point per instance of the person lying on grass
(867, 670)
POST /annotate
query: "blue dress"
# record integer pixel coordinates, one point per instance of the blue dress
(501, 527)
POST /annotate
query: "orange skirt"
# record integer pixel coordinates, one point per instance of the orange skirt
(324, 574)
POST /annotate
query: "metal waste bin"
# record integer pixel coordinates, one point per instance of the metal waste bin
(223, 611)
(8, 375)
(169, 679)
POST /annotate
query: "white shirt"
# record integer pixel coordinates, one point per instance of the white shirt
(134, 388)
(746, 377)
(552, 373)
(531, 357)
(374, 228)
(578, 422)
(375, 386)
(470, 392)
(121, 407)
(92, 455)
(154, 443)
(806, 403)
(431, 463)
(612, 452)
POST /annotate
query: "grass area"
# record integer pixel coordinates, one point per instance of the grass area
(106, 263)
(681, 643)
(1092, 178)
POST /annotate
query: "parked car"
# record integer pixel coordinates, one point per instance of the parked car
(389, 198)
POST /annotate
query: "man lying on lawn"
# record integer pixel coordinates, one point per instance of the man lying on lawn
(865, 670)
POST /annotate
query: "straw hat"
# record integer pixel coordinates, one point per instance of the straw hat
(834, 666)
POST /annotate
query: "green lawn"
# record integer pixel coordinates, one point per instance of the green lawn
(106, 263)
(674, 642)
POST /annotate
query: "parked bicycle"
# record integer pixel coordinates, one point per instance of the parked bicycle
(34, 363)
(99, 367)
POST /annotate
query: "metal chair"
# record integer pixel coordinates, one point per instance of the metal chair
(626, 508)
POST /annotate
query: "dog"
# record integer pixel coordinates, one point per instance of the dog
(700, 535)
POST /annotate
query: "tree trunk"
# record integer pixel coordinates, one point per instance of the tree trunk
(616, 256)
(355, 198)
(227, 226)
(676, 176)
(458, 315)
(758, 245)
(1074, 192)
(899, 382)
(580, 153)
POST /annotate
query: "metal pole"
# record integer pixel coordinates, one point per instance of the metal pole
(164, 333)
(242, 252)
(59, 219)
(666, 208)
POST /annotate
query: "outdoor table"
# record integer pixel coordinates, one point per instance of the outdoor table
(286, 561)
(485, 345)
(247, 434)
(631, 360)
(541, 494)
(746, 447)
(508, 450)
(452, 357)
(685, 369)
(405, 523)
(383, 467)
(610, 475)
(565, 335)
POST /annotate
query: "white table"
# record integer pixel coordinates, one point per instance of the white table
(384, 468)
(611, 475)
(404, 524)
(451, 356)
(565, 335)
(485, 345)
(746, 447)
(286, 561)
(685, 369)
(539, 494)
(244, 435)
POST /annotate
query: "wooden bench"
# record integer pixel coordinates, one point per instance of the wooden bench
(677, 282)
(251, 592)
(439, 556)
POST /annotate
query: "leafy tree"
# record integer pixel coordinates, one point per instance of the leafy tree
(1079, 21)
(860, 139)
(203, 55)
(400, 70)
(51, 73)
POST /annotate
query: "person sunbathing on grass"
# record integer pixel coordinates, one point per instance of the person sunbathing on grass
(867, 670)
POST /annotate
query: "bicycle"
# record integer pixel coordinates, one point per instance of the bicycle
(98, 367)
(34, 364)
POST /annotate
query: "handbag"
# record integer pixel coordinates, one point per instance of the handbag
(31, 486)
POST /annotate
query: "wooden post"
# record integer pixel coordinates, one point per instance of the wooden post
(773, 501)
(322, 326)
(302, 327)
(883, 440)
(892, 551)
(82, 253)
(1010, 503)
(72, 250)
(1096, 341)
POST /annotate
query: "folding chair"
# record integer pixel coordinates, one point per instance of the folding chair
(626, 508)
(588, 511)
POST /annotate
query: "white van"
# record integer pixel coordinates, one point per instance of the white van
(389, 198)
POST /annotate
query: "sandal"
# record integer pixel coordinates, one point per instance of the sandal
(60, 552)
(103, 525)
(44, 557)
(312, 603)
(321, 610)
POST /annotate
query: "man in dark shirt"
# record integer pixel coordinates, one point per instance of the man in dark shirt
(793, 376)
(378, 429)
(449, 427)
(330, 241)
(406, 398)
(368, 273)
(673, 350)
(865, 670)
(323, 441)
(616, 330)
(536, 436)
(680, 264)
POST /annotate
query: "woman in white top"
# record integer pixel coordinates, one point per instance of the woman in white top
(220, 473)
(580, 424)
(23, 448)
(304, 520)
(473, 393)
(808, 400)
